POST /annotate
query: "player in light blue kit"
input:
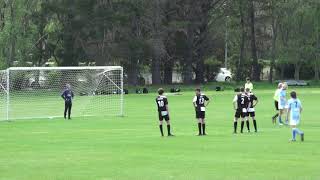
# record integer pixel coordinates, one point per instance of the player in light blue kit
(294, 113)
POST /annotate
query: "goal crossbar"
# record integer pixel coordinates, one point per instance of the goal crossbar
(98, 91)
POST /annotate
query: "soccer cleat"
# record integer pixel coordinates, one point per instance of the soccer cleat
(204, 134)
(292, 140)
(199, 135)
(302, 137)
(170, 135)
(280, 124)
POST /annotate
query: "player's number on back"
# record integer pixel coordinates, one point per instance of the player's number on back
(160, 103)
(242, 100)
(201, 101)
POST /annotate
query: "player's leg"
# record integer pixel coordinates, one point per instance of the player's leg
(294, 132)
(253, 116)
(242, 124)
(280, 116)
(65, 110)
(204, 126)
(198, 117)
(69, 110)
(277, 114)
(235, 121)
(247, 121)
(160, 123)
(168, 125)
(294, 124)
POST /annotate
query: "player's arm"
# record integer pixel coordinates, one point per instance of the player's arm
(234, 102)
(256, 101)
(72, 94)
(207, 101)
(166, 104)
(62, 95)
(288, 113)
(194, 101)
(249, 105)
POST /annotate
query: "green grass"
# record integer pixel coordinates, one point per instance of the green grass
(123, 148)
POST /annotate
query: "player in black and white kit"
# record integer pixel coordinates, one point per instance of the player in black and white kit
(251, 111)
(241, 104)
(200, 102)
(163, 111)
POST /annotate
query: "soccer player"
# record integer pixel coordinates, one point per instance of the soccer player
(67, 96)
(294, 112)
(163, 111)
(240, 104)
(200, 102)
(276, 99)
(282, 102)
(248, 84)
(251, 111)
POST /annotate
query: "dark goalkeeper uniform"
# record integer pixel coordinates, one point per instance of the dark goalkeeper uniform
(67, 95)
(200, 108)
(162, 103)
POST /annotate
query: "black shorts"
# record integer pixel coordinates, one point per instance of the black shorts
(276, 105)
(251, 114)
(241, 114)
(200, 114)
(161, 118)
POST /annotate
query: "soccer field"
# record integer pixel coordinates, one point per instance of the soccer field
(130, 147)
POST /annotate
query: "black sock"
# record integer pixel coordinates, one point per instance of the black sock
(248, 126)
(161, 130)
(203, 128)
(275, 116)
(235, 125)
(255, 125)
(199, 127)
(168, 127)
(242, 125)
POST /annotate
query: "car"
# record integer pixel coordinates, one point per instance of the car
(296, 82)
(224, 75)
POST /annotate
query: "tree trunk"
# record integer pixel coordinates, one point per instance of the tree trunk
(168, 70)
(200, 71)
(155, 69)
(273, 51)
(12, 52)
(282, 72)
(297, 68)
(133, 74)
(255, 66)
(188, 58)
(242, 43)
(316, 70)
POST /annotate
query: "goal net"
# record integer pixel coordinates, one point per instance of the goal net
(35, 92)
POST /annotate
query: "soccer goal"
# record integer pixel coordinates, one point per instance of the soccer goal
(35, 92)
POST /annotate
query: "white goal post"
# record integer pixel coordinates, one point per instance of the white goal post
(35, 92)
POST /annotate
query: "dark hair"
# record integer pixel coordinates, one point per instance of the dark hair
(248, 79)
(247, 89)
(198, 89)
(293, 94)
(160, 91)
(242, 89)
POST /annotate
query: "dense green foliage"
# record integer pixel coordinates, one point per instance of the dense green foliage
(130, 147)
(162, 36)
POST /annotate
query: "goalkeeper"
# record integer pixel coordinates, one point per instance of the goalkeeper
(67, 95)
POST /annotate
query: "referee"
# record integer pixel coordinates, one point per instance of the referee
(67, 96)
